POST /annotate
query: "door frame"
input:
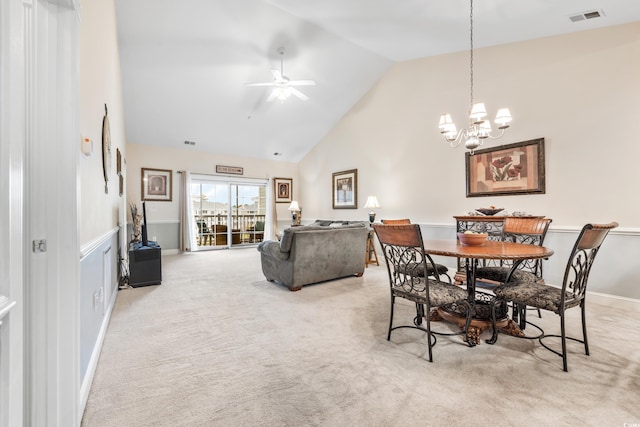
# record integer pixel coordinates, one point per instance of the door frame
(39, 100)
(229, 181)
(12, 146)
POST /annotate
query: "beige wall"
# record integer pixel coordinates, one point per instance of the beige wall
(143, 156)
(581, 92)
(99, 84)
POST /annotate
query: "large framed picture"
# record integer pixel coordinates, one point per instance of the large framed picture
(283, 189)
(156, 184)
(506, 170)
(345, 189)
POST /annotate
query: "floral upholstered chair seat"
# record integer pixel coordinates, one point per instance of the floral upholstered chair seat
(535, 295)
(499, 274)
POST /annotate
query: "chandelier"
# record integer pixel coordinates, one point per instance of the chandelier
(479, 129)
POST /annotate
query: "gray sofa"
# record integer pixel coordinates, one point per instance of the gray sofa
(324, 250)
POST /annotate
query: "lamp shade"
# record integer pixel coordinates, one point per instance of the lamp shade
(503, 118)
(445, 122)
(294, 206)
(478, 112)
(372, 203)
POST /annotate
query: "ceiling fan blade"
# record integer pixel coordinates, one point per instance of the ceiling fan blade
(272, 95)
(259, 84)
(299, 94)
(277, 75)
(302, 83)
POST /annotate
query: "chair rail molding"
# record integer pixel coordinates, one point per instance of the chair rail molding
(97, 242)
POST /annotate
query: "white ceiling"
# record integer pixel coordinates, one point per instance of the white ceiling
(184, 63)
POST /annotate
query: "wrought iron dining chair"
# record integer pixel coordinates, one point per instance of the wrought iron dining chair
(405, 258)
(525, 230)
(439, 268)
(558, 300)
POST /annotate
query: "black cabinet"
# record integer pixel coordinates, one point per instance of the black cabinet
(145, 264)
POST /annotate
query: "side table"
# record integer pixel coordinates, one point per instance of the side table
(371, 255)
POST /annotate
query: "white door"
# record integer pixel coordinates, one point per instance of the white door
(39, 263)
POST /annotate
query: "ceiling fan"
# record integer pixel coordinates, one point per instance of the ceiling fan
(283, 87)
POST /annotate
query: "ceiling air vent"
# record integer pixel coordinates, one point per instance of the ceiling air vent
(189, 143)
(586, 15)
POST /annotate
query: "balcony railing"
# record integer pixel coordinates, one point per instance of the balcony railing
(213, 229)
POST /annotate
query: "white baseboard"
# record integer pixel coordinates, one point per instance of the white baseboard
(614, 301)
(95, 355)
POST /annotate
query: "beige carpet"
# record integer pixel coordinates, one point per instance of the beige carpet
(217, 345)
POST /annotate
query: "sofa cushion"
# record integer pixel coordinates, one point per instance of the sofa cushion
(272, 248)
(287, 235)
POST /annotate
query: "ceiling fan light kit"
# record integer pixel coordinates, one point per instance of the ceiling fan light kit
(283, 86)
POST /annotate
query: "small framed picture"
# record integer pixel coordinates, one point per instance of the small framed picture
(283, 189)
(156, 184)
(118, 161)
(345, 189)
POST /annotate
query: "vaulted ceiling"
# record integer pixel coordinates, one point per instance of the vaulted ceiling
(185, 63)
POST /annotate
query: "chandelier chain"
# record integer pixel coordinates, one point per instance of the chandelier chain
(471, 53)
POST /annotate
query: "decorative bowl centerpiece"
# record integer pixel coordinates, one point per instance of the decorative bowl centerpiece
(492, 210)
(472, 239)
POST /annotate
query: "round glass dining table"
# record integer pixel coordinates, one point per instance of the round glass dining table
(516, 253)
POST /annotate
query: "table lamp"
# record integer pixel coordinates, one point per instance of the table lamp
(296, 212)
(372, 203)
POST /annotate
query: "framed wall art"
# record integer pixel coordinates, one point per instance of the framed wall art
(118, 161)
(233, 170)
(283, 190)
(106, 149)
(506, 170)
(156, 184)
(345, 189)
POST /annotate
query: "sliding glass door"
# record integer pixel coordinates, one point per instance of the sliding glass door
(248, 212)
(228, 213)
